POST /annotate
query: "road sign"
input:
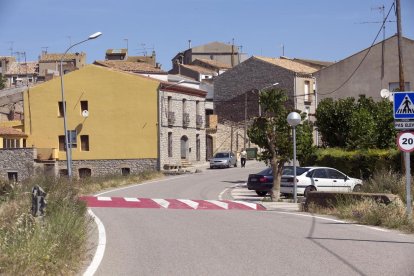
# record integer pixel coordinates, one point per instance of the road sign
(404, 105)
(404, 124)
(405, 141)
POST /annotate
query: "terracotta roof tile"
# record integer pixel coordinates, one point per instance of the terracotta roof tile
(289, 64)
(57, 57)
(129, 66)
(8, 131)
(22, 68)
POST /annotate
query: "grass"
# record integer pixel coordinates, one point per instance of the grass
(54, 244)
(370, 212)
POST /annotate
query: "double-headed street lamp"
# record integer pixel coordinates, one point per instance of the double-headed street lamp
(68, 146)
(293, 120)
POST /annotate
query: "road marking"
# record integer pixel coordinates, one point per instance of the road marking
(220, 204)
(100, 250)
(104, 198)
(131, 199)
(190, 203)
(220, 196)
(248, 204)
(162, 202)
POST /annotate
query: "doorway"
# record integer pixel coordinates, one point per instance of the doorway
(184, 147)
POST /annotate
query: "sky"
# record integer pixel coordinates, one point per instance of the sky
(328, 30)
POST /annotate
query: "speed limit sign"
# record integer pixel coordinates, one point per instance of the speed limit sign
(405, 141)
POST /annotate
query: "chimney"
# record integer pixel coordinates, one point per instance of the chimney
(189, 44)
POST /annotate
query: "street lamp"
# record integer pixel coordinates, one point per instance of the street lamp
(68, 146)
(293, 120)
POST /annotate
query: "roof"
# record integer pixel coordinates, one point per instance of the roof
(316, 62)
(116, 51)
(16, 68)
(214, 63)
(130, 66)
(8, 131)
(199, 69)
(176, 88)
(53, 57)
(288, 64)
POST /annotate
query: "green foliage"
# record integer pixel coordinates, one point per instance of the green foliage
(356, 163)
(2, 82)
(349, 124)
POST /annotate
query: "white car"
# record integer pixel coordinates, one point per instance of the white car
(322, 179)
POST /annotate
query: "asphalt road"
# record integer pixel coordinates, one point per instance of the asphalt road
(234, 242)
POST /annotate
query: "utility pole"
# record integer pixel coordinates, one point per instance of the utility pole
(245, 120)
(400, 55)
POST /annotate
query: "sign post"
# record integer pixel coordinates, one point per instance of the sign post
(405, 142)
(404, 120)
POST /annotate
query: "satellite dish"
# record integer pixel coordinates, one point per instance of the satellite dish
(385, 93)
(85, 114)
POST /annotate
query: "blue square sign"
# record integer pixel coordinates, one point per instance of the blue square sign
(404, 105)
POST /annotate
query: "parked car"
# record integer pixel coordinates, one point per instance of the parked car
(318, 179)
(224, 159)
(262, 182)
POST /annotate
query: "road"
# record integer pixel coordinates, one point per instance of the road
(163, 241)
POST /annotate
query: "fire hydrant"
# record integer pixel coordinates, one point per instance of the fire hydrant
(38, 201)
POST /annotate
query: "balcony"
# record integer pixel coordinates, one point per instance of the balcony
(199, 121)
(171, 118)
(186, 119)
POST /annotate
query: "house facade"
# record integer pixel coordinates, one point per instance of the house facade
(112, 114)
(21, 74)
(182, 125)
(49, 64)
(368, 72)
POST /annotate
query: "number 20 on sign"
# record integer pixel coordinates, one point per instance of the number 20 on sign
(405, 141)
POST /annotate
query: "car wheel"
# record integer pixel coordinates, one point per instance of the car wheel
(235, 165)
(211, 167)
(357, 188)
(309, 189)
(261, 193)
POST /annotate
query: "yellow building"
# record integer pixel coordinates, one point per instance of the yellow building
(114, 115)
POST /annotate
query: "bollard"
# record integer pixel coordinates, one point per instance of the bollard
(38, 201)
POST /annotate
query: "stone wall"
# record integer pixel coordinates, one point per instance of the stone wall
(20, 161)
(178, 131)
(243, 81)
(109, 167)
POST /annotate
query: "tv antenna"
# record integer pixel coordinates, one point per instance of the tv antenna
(381, 9)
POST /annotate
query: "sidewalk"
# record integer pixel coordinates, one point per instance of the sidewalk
(240, 192)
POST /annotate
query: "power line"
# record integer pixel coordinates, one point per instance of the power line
(363, 59)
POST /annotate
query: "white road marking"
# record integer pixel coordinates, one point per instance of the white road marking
(100, 250)
(221, 204)
(220, 196)
(248, 204)
(131, 199)
(162, 202)
(190, 203)
(104, 198)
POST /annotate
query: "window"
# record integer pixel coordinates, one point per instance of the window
(61, 142)
(395, 86)
(184, 105)
(334, 174)
(84, 105)
(170, 152)
(60, 106)
(320, 173)
(197, 108)
(307, 111)
(84, 142)
(169, 101)
(307, 86)
(85, 172)
(11, 143)
(125, 171)
(198, 146)
(12, 176)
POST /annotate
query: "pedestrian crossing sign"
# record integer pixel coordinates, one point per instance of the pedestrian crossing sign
(404, 105)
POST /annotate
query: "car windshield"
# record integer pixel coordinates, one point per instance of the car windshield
(221, 155)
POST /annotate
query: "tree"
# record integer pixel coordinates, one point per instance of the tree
(2, 82)
(272, 133)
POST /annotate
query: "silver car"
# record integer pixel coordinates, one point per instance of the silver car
(224, 159)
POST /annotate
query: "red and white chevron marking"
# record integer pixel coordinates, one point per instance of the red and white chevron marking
(131, 202)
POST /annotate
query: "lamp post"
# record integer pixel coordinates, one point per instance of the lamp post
(293, 120)
(68, 147)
